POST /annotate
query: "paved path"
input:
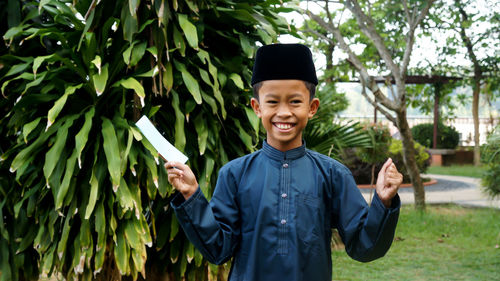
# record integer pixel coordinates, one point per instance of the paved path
(464, 191)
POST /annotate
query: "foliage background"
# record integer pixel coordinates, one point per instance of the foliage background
(82, 192)
(490, 156)
(447, 137)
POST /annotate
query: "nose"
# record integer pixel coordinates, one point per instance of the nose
(284, 111)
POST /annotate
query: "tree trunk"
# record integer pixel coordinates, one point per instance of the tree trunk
(478, 74)
(475, 116)
(409, 159)
(437, 89)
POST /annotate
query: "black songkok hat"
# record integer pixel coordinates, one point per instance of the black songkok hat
(284, 61)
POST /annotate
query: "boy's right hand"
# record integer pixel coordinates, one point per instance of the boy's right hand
(181, 178)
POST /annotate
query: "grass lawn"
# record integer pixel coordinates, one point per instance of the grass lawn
(445, 243)
(457, 170)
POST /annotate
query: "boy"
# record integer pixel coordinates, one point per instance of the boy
(273, 210)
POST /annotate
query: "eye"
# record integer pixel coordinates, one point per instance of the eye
(272, 101)
(296, 101)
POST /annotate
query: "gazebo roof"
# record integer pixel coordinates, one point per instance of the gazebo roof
(419, 79)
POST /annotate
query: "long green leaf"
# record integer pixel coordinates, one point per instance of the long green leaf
(17, 68)
(129, 23)
(137, 53)
(151, 164)
(82, 137)
(189, 81)
(244, 136)
(61, 247)
(111, 149)
(29, 127)
(35, 82)
(202, 130)
(100, 228)
(207, 174)
(122, 253)
(100, 80)
(127, 52)
(53, 155)
(189, 30)
(174, 228)
(59, 104)
(133, 234)
(237, 80)
(38, 61)
(97, 62)
(254, 120)
(180, 137)
(95, 178)
(68, 174)
(131, 83)
(168, 77)
(125, 198)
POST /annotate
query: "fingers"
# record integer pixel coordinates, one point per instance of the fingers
(392, 168)
(173, 177)
(385, 166)
(393, 179)
(174, 170)
(172, 164)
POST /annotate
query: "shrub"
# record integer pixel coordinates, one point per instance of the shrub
(448, 137)
(381, 139)
(491, 156)
(421, 156)
(360, 160)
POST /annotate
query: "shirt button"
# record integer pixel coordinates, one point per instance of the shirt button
(283, 195)
(285, 165)
(283, 221)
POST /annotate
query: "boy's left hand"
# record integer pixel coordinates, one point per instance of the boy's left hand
(388, 182)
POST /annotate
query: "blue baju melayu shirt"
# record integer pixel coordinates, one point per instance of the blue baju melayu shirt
(274, 212)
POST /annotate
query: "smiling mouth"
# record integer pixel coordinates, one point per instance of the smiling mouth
(283, 126)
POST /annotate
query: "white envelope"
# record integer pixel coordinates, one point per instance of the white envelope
(164, 148)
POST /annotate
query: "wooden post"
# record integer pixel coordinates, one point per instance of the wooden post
(437, 90)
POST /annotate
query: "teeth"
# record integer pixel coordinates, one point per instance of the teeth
(283, 126)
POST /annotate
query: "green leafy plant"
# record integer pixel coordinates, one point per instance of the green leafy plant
(381, 139)
(324, 135)
(491, 156)
(396, 153)
(364, 162)
(82, 192)
(448, 137)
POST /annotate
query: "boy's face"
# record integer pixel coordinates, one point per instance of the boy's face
(284, 107)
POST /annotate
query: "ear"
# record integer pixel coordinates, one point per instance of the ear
(313, 107)
(256, 107)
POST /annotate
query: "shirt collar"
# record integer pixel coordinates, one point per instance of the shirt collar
(291, 154)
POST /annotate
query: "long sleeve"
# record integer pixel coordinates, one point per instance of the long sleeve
(367, 231)
(212, 227)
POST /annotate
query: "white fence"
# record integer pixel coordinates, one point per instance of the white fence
(464, 126)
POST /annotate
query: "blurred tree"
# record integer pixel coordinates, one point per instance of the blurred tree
(385, 33)
(470, 29)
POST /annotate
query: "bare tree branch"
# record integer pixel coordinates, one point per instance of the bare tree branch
(368, 28)
(375, 104)
(407, 12)
(388, 84)
(356, 62)
(327, 10)
(410, 37)
(329, 40)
